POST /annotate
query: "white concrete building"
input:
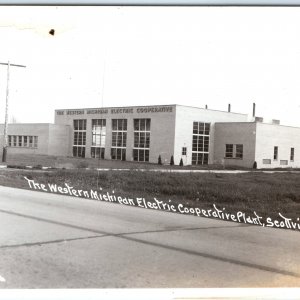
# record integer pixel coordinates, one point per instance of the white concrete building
(143, 133)
(146, 132)
(269, 145)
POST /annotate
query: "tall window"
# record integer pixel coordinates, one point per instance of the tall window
(119, 139)
(141, 139)
(30, 141)
(79, 140)
(35, 141)
(98, 138)
(14, 140)
(275, 153)
(234, 151)
(292, 156)
(200, 147)
(229, 151)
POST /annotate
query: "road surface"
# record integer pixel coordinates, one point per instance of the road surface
(53, 241)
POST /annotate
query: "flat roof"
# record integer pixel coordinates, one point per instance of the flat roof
(159, 105)
(106, 107)
(260, 123)
(203, 108)
(18, 124)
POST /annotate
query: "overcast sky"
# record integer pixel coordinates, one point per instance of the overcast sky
(124, 56)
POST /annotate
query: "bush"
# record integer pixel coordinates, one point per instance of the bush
(172, 161)
(181, 162)
(159, 160)
(255, 165)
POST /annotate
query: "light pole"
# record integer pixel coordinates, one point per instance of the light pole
(8, 64)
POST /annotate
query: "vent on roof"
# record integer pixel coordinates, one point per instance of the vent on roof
(259, 119)
(276, 122)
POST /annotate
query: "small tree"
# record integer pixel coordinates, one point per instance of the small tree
(255, 165)
(159, 160)
(172, 161)
(181, 162)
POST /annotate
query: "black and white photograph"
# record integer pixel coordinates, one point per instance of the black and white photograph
(149, 148)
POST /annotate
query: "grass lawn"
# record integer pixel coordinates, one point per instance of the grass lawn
(74, 162)
(266, 194)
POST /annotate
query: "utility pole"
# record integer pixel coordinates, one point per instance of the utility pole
(8, 64)
(103, 81)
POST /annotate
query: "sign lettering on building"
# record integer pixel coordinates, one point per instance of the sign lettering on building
(75, 112)
(154, 109)
(126, 110)
(121, 111)
(97, 111)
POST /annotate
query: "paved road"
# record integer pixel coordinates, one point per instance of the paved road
(51, 241)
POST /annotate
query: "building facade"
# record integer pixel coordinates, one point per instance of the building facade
(266, 145)
(37, 138)
(143, 133)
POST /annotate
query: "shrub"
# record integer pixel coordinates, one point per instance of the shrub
(181, 162)
(172, 161)
(159, 160)
(255, 165)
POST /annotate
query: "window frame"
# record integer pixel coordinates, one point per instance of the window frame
(141, 139)
(118, 139)
(275, 153)
(79, 137)
(200, 142)
(236, 151)
(292, 154)
(23, 141)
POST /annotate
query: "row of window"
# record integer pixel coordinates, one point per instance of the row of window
(282, 162)
(117, 124)
(234, 151)
(24, 141)
(200, 145)
(119, 138)
(292, 153)
(116, 153)
(201, 128)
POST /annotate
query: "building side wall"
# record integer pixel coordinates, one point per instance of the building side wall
(235, 133)
(161, 131)
(59, 140)
(40, 130)
(162, 137)
(185, 116)
(284, 137)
